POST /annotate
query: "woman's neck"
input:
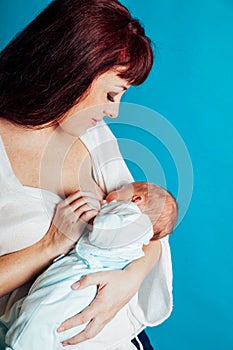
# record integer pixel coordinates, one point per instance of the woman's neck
(25, 136)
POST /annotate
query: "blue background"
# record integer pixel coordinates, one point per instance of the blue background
(190, 85)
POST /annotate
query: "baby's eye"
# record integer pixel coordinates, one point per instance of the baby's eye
(110, 97)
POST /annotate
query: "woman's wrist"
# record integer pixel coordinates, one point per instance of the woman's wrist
(55, 244)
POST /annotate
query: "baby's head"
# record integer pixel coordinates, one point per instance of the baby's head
(153, 200)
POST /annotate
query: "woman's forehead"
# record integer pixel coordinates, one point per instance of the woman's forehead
(111, 78)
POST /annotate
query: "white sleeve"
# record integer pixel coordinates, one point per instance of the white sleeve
(155, 298)
(110, 172)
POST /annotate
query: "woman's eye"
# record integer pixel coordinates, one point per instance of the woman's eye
(110, 97)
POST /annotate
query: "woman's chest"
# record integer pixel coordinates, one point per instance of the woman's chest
(59, 168)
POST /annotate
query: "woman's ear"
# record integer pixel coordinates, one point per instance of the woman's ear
(137, 199)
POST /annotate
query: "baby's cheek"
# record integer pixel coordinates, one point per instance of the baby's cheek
(111, 196)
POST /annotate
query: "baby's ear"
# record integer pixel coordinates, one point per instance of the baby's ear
(137, 199)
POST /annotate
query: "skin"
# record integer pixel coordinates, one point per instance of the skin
(126, 193)
(102, 99)
(115, 288)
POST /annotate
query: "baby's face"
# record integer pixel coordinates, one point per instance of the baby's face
(125, 193)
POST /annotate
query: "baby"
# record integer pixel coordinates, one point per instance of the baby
(129, 218)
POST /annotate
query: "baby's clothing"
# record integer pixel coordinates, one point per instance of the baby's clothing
(119, 232)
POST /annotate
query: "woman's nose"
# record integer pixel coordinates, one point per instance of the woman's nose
(111, 115)
(113, 111)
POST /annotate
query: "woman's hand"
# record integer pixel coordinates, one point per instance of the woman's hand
(70, 218)
(115, 289)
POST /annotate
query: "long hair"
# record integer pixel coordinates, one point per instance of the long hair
(46, 69)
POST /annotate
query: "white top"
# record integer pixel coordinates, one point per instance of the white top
(26, 213)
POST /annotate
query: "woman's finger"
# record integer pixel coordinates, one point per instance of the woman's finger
(79, 194)
(89, 280)
(93, 203)
(81, 318)
(88, 215)
(90, 311)
(92, 329)
(83, 209)
(103, 308)
(79, 225)
(80, 205)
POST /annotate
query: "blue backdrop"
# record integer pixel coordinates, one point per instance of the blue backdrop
(191, 86)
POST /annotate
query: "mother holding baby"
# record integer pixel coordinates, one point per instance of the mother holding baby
(58, 78)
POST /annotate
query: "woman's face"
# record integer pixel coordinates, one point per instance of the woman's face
(102, 99)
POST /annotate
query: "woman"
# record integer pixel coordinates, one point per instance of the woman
(58, 78)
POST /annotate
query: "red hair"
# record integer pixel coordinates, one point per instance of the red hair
(49, 66)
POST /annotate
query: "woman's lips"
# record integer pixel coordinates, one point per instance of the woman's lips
(94, 121)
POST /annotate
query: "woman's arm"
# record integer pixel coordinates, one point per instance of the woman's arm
(115, 289)
(70, 218)
(20, 267)
(144, 265)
